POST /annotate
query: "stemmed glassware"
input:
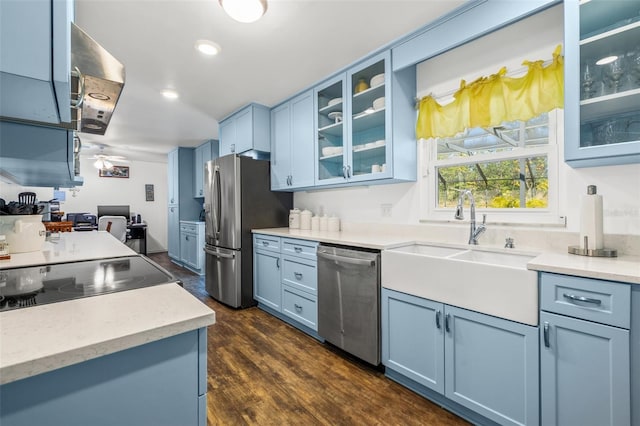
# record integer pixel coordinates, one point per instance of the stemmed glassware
(614, 73)
(588, 82)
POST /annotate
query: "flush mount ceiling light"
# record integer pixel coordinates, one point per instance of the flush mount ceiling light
(606, 60)
(170, 94)
(208, 47)
(244, 10)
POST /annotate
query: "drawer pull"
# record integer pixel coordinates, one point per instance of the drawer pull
(298, 307)
(574, 298)
(298, 275)
(298, 249)
(545, 334)
(265, 243)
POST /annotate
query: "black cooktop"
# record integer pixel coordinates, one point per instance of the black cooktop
(39, 285)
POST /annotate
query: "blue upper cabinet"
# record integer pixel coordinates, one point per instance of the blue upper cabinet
(35, 60)
(364, 125)
(245, 130)
(292, 160)
(602, 82)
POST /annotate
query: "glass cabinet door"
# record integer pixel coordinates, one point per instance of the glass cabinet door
(607, 46)
(370, 120)
(331, 134)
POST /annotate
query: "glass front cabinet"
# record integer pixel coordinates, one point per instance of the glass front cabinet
(354, 134)
(602, 82)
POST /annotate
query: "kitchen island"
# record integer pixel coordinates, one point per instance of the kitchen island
(130, 357)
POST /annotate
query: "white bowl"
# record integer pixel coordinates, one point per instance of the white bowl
(376, 80)
(378, 103)
(334, 101)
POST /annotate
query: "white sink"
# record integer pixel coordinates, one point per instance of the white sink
(495, 258)
(493, 282)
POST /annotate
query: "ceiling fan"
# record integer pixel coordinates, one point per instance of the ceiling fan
(105, 161)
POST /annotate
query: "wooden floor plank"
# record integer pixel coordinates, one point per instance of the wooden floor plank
(262, 371)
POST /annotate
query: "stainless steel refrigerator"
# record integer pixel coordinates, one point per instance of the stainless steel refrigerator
(237, 199)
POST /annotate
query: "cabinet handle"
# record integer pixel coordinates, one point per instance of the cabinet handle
(233, 147)
(186, 237)
(574, 298)
(349, 171)
(278, 262)
(545, 334)
(297, 249)
(344, 172)
(438, 313)
(298, 307)
(265, 243)
(298, 275)
(447, 319)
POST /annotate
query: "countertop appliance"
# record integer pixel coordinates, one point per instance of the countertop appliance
(349, 300)
(237, 199)
(39, 285)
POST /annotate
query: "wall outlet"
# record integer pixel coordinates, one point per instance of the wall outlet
(385, 210)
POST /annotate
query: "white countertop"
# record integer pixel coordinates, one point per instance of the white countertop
(42, 338)
(623, 268)
(71, 247)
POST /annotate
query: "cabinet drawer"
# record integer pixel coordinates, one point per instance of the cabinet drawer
(301, 248)
(266, 242)
(300, 306)
(605, 302)
(300, 273)
(188, 227)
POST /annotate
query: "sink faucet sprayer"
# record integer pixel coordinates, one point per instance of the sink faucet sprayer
(474, 232)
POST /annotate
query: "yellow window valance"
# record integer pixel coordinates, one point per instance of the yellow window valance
(489, 101)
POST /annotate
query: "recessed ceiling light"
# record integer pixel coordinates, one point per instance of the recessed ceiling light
(170, 94)
(244, 10)
(606, 60)
(208, 47)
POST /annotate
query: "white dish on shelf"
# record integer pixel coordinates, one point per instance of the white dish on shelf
(336, 116)
(378, 103)
(334, 101)
(370, 145)
(376, 80)
(379, 143)
(327, 150)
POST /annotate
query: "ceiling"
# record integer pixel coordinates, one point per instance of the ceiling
(296, 44)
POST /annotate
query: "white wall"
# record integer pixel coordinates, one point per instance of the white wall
(619, 185)
(103, 191)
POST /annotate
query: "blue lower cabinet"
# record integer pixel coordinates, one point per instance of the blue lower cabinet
(266, 278)
(300, 306)
(585, 372)
(153, 384)
(481, 367)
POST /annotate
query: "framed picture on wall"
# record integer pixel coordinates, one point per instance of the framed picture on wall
(115, 172)
(148, 190)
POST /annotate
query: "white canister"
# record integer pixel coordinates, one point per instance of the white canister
(324, 223)
(334, 224)
(305, 219)
(294, 219)
(24, 233)
(315, 223)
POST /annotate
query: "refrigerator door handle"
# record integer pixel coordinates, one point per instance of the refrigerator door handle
(218, 254)
(218, 206)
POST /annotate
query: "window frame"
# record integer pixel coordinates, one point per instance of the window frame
(550, 216)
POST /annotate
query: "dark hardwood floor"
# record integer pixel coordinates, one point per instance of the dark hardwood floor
(262, 371)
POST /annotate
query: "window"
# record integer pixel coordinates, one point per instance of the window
(511, 169)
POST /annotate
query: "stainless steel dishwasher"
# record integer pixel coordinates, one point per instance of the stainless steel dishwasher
(349, 300)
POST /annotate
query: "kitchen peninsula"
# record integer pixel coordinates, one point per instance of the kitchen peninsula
(127, 357)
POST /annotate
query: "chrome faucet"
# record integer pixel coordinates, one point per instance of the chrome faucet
(474, 232)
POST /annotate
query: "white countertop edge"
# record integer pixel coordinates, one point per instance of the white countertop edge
(189, 313)
(622, 269)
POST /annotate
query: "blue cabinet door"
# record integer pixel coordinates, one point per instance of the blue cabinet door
(584, 372)
(280, 146)
(227, 136)
(491, 366)
(173, 234)
(413, 338)
(244, 130)
(266, 279)
(302, 137)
